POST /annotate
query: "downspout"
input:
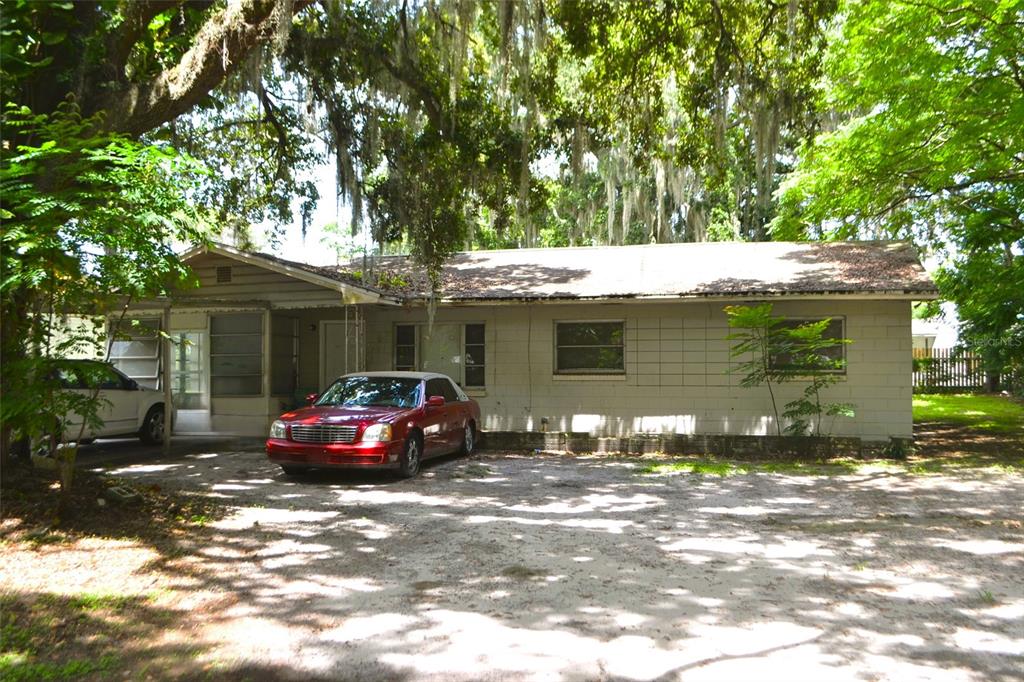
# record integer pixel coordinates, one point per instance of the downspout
(529, 362)
(166, 371)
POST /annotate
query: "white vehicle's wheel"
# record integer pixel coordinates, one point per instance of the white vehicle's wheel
(152, 431)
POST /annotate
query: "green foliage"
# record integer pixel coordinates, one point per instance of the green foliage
(988, 286)
(717, 93)
(771, 351)
(89, 219)
(932, 97)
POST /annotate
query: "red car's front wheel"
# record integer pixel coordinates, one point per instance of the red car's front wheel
(412, 455)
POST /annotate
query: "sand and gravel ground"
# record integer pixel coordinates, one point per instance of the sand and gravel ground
(570, 568)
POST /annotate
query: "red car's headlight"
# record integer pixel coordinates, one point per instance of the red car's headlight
(377, 433)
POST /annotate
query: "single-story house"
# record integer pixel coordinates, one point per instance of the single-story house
(604, 341)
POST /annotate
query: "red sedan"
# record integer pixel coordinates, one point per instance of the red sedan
(378, 420)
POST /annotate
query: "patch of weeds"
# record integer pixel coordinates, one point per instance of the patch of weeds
(710, 467)
(48, 636)
(520, 572)
(475, 470)
(832, 467)
(701, 467)
(986, 597)
(897, 449)
(26, 630)
(45, 536)
(426, 585)
(88, 601)
(195, 519)
(18, 669)
(860, 566)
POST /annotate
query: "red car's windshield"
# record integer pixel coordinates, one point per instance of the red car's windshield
(371, 391)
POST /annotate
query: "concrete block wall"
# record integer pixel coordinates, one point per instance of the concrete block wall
(677, 378)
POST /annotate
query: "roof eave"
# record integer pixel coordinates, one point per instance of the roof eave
(350, 293)
(896, 294)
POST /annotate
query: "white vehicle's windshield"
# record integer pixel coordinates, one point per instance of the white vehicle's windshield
(371, 391)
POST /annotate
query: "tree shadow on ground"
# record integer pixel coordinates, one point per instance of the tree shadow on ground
(584, 569)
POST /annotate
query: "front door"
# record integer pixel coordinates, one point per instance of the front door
(442, 350)
(339, 350)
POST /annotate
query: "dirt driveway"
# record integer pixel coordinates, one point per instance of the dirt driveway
(505, 567)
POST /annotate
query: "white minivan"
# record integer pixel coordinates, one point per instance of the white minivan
(126, 408)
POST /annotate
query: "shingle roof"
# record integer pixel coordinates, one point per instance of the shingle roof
(693, 270)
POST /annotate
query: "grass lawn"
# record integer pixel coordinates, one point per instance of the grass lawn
(982, 412)
(951, 431)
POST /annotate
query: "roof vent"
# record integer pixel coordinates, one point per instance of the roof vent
(223, 274)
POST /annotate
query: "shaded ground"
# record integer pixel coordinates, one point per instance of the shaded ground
(547, 567)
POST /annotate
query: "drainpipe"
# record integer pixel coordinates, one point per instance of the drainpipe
(166, 371)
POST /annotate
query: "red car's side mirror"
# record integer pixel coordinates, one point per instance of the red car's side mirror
(435, 401)
(311, 398)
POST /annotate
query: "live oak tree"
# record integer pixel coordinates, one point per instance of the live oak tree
(257, 90)
(90, 205)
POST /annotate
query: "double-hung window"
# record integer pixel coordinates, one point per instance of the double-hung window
(405, 347)
(473, 345)
(829, 358)
(596, 347)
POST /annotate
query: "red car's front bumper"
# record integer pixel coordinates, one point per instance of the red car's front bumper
(334, 455)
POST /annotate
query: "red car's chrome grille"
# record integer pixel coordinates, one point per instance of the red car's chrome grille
(323, 433)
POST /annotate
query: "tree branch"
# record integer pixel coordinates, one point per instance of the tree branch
(136, 17)
(270, 113)
(220, 47)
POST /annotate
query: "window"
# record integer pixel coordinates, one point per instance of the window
(405, 347)
(284, 354)
(236, 354)
(449, 392)
(224, 274)
(831, 358)
(136, 351)
(590, 347)
(474, 354)
(93, 374)
(443, 388)
(188, 377)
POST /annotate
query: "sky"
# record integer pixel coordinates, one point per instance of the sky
(312, 248)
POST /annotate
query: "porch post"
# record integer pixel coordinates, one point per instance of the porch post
(168, 351)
